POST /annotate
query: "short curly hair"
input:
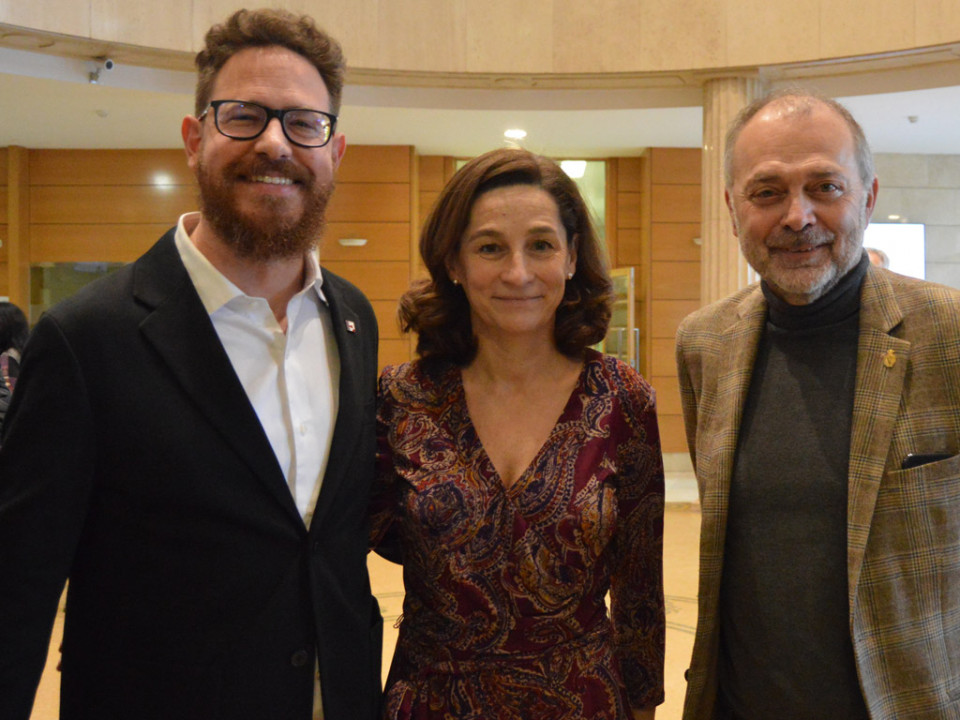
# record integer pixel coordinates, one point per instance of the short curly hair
(265, 28)
(438, 311)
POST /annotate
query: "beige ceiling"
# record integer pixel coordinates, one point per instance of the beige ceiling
(49, 102)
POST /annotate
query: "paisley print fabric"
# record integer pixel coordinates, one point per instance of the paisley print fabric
(504, 614)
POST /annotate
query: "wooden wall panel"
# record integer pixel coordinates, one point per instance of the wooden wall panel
(675, 241)
(629, 247)
(667, 315)
(385, 241)
(113, 204)
(3, 243)
(370, 202)
(664, 358)
(3, 202)
(676, 203)
(156, 168)
(628, 210)
(93, 243)
(676, 166)
(393, 352)
(668, 395)
(629, 174)
(675, 280)
(375, 163)
(673, 437)
(4, 279)
(432, 177)
(379, 280)
(386, 312)
(3, 167)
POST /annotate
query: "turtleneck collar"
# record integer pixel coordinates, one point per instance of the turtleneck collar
(840, 303)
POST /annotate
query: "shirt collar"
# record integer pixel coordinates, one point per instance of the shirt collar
(213, 287)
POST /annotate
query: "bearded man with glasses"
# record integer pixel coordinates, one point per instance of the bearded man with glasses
(192, 438)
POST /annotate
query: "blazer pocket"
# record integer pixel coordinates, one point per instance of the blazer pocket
(930, 497)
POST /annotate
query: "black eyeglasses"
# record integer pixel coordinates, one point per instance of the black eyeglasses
(240, 120)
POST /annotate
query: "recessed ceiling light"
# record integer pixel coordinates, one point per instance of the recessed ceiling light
(893, 217)
(515, 134)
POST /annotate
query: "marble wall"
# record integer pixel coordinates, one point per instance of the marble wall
(925, 189)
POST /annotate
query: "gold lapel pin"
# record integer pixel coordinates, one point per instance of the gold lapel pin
(890, 359)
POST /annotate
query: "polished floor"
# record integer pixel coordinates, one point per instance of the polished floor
(680, 550)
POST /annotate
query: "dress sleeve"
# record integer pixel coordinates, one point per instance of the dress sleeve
(636, 592)
(384, 536)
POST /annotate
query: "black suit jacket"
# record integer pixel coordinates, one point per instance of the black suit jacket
(133, 463)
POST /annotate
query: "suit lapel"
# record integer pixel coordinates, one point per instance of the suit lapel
(882, 362)
(737, 354)
(181, 332)
(350, 334)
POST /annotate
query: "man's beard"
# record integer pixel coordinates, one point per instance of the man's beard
(275, 234)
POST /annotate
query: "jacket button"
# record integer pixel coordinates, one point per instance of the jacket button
(300, 658)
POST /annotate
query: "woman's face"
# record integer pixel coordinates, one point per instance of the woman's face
(513, 263)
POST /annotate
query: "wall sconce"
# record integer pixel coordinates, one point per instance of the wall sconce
(352, 242)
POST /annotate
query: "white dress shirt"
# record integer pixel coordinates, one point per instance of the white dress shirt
(292, 379)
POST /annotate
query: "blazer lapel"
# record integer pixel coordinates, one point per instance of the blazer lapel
(182, 334)
(737, 353)
(882, 362)
(351, 335)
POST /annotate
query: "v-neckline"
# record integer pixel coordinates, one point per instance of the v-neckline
(517, 485)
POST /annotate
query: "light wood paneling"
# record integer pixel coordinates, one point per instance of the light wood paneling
(370, 202)
(4, 281)
(113, 204)
(93, 243)
(377, 280)
(629, 247)
(674, 241)
(629, 174)
(668, 395)
(675, 203)
(375, 163)
(628, 210)
(3, 244)
(386, 312)
(3, 202)
(673, 438)
(158, 168)
(3, 167)
(667, 314)
(385, 241)
(664, 358)
(676, 166)
(675, 281)
(393, 352)
(427, 200)
(431, 173)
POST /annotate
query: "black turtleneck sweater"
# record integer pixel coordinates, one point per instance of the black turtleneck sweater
(785, 637)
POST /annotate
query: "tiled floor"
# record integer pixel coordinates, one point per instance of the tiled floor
(681, 532)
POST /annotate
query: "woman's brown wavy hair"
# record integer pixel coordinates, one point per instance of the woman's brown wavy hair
(438, 311)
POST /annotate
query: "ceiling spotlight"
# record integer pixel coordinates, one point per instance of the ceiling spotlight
(893, 217)
(515, 134)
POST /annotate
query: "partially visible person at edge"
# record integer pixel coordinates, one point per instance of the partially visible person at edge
(822, 409)
(520, 475)
(14, 330)
(192, 438)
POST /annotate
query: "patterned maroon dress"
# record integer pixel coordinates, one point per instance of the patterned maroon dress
(504, 615)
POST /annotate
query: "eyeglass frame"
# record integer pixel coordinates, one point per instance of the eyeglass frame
(271, 114)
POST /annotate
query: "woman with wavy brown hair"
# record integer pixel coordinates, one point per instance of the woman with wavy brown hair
(520, 474)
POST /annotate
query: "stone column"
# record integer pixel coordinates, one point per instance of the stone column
(722, 270)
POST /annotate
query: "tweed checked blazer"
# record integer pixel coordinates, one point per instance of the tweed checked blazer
(903, 526)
